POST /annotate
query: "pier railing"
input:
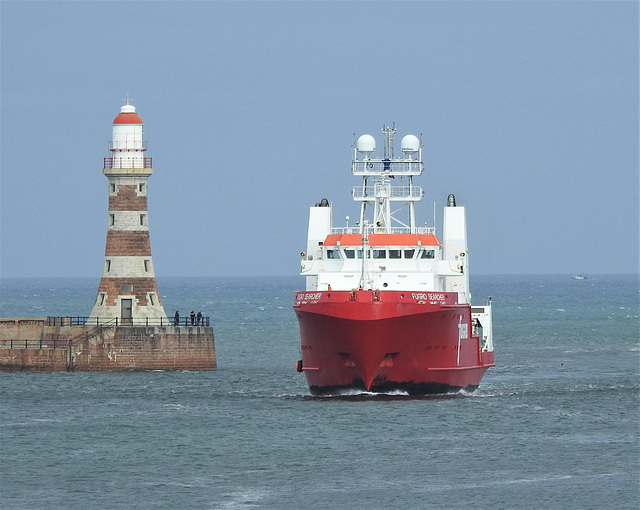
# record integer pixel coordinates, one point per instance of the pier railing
(136, 322)
(55, 342)
(97, 325)
(23, 343)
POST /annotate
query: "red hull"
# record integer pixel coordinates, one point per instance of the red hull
(383, 341)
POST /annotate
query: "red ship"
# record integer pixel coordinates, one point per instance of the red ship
(387, 306)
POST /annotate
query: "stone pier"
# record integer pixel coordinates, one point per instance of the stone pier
(33, 345)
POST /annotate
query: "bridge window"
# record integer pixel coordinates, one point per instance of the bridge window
(333, 254)
(408, 254)
(350, 254)
(379, 254)
(427, 254)
(395, 254)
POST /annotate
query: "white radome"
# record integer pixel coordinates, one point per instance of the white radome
(410, 144)
(366, 144)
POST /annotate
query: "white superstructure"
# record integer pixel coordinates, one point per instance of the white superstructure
(400, 254)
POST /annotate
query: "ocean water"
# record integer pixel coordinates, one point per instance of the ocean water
(555, 425)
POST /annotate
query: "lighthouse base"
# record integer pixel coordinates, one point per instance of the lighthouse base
(31, 345)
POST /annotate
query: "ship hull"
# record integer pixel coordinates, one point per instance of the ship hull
(388, 341)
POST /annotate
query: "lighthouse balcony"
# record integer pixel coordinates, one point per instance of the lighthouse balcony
(128, 163)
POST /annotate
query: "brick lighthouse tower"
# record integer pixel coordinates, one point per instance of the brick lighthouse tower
(128, 289)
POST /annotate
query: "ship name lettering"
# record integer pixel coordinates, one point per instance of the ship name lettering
(312, 295)
(427, 297)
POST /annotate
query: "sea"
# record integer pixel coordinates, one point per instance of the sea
(554, 425)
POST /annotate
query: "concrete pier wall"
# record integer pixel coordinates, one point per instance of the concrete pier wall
(30, 345)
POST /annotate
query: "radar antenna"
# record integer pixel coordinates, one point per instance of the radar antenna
(388, 140)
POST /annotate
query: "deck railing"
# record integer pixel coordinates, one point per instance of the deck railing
(381, 166)
(386, 190)
(376, 230)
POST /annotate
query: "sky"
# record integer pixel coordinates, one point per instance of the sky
(528, 111)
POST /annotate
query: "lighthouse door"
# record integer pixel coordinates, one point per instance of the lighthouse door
(126, 311)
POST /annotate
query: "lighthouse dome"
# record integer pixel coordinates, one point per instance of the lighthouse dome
(127, 115)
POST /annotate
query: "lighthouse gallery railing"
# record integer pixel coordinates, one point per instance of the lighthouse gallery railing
(128, 163)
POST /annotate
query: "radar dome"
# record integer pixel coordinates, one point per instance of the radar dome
(410, 144)
(366, 144)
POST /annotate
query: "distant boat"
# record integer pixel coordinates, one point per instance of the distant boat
(578, 277)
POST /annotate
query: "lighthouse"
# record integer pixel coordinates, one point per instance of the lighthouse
(128, 290)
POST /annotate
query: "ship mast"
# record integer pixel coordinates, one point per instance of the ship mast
(388, 140)
(384, 192)
(382, 186)
(364, 274)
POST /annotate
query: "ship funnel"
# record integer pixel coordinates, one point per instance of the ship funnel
(451, 200)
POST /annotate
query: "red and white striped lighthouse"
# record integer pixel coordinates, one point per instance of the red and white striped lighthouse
(128, 289)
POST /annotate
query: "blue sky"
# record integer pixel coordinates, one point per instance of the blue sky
(528, 113)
